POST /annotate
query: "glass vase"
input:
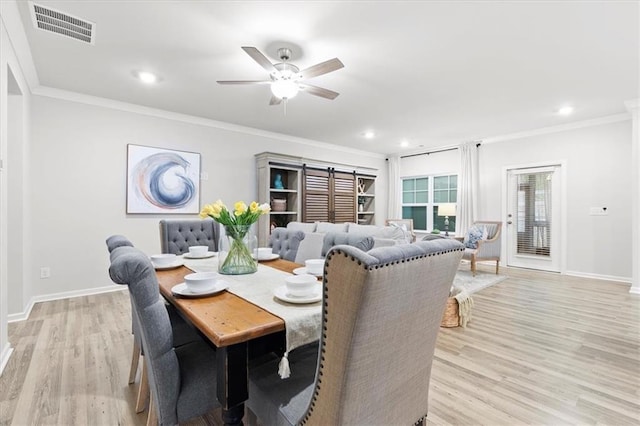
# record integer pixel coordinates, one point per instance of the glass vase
(235, 250)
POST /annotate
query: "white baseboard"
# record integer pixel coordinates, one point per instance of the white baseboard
(621, 280)
(21, 316)
(4, 357)
(634, 290)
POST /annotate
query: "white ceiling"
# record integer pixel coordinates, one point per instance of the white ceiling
(432, 73)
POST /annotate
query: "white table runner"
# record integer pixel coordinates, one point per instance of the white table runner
(302, 321)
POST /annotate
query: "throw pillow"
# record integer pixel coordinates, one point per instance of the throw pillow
(474, 235)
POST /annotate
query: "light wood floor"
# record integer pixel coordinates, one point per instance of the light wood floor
(540, 349)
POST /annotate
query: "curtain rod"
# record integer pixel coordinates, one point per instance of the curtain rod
(434, 152)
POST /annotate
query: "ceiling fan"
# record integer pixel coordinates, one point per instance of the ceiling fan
(286, 79)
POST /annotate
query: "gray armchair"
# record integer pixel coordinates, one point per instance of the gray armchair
(377, 345)
(487, 249)
(285, 242)
(182, 379)
(176, 236)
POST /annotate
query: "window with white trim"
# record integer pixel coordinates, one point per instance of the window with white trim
(421, 197)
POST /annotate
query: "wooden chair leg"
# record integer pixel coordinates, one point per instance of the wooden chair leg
(135, 359)
(143, 391)
(497, 266)
(152, 417)
(473, 266)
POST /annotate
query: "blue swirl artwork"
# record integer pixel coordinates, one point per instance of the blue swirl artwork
(164, 181)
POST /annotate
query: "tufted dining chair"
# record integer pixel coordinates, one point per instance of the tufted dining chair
(483, 249)
(285, 242)
(182, 333)
(176, 236)
(331, 239)
(381, 315)
(182, 379)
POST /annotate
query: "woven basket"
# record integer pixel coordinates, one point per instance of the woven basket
(278, 205)
(451, 317)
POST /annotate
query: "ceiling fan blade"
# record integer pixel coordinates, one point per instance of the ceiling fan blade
(321, 68)
(244, 82)
(319, 91)
(275, 100)
(259, 58)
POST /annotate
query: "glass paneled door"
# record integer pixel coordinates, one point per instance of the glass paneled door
(533, 218)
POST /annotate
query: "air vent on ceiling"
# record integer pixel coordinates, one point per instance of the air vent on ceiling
(52, 20)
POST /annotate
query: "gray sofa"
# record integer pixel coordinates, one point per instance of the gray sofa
(313, 244)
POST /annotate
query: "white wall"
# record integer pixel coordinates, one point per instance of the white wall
(78, 182)
(598, 171)
(14, 123)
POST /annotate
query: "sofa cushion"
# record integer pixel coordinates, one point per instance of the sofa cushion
(325, 227)
(395, 233)
(302, 226)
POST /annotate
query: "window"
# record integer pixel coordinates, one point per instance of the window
(421, 197)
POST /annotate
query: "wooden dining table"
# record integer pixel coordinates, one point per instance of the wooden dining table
(230, 323)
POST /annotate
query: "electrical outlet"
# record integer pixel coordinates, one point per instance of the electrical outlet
(598, 211)
(204, 176)
(45, 272)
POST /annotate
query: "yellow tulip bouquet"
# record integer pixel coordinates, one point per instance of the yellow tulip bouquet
(236, 258)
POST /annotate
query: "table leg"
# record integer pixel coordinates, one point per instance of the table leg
(233, 381)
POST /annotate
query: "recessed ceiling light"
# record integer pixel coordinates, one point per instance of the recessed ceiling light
(147, 77)
(404, 144)
(369, 134)
(565, 110)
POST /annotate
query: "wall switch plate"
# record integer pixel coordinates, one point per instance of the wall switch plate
(45, 272)
(598, 211)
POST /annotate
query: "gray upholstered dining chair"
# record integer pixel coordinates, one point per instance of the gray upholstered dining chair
(182, 379)
(285, 242)
(381, 315)
(176, 236)
(345, 238)
(114, 242)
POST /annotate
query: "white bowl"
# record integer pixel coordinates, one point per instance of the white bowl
(163, 259)
(198, 251)
(314, 266)
(300, 285)
(201, 281)
(263, 252)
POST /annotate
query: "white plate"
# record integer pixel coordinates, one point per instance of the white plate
(175, 264)
(272, 256)
(182, 290)
(303, 271)
(187, 255)
(281, 293)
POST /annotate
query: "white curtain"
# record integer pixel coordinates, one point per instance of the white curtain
(395, 193)
(467, 201)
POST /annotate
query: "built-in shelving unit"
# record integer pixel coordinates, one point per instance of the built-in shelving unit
(366, 199)
(280, 183)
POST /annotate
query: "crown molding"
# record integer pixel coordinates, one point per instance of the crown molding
(560, 128)
(18, 38)
(168, 115)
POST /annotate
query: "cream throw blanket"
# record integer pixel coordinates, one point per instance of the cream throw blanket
(302, 322)
(465, 303)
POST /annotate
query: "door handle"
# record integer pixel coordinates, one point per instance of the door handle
(509, 222)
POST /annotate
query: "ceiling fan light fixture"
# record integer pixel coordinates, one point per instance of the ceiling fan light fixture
(284, 89)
